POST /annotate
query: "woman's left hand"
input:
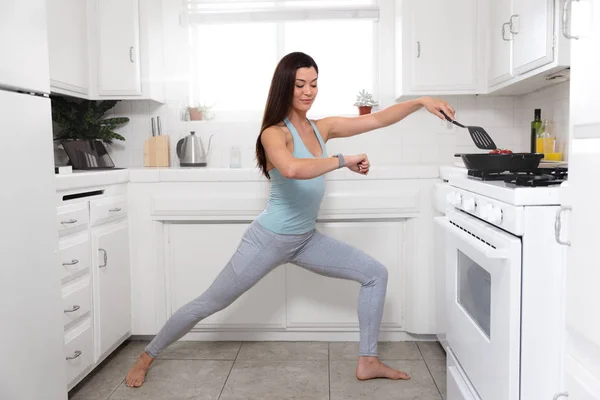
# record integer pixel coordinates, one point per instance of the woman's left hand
(434, 106)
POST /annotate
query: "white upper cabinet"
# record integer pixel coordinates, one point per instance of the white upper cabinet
(118, 47)
(68, 46)
(437, 47)
(532, 26)
(500, 65)
(525, 45)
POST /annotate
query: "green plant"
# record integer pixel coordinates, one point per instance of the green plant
(83, 119)
(364, 98)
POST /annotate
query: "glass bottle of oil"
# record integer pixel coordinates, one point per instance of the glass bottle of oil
(535, 127)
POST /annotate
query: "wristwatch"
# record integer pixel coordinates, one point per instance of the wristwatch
(340, 159)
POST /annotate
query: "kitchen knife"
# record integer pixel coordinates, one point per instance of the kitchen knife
(158, 126)
(153, 127)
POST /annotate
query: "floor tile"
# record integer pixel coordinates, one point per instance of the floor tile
(339, 351)
(281, 380)
(186, 350)
(345, 386)
(179, 380)
(438, 371)
(284, 351)
(131, 349)
(432, 350)
(103, 381)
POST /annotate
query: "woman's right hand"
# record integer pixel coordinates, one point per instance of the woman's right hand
(358, 163)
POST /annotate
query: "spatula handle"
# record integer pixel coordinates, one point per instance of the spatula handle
(454, 122)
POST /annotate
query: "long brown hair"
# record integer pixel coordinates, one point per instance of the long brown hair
(280, 97)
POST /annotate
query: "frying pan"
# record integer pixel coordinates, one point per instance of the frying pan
(516, 162)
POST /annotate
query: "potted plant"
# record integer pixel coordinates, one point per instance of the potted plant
(200, 112)
(364, 102)
(82, 128)
(84, 120)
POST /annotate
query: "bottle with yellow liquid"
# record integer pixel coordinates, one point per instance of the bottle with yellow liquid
(545, 140)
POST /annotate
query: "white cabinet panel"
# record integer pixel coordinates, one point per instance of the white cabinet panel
(68, 45)
(78, 350)
(532, 22)
(315, 300)
(118, 51)
(110, 252)
(196, 254)
(500, 66)
(437, 46)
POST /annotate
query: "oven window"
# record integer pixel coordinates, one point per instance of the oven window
(474, 291)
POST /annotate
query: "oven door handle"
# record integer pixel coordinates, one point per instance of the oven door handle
(486, 250)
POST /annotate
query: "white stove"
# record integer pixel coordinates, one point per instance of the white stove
(504, 283)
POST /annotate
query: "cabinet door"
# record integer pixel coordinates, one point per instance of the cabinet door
(443, 45)
(118, 55)
(318, 301)
(500, 68)
(196, 254)
(532, 25)
(112, 302)
(67, 42)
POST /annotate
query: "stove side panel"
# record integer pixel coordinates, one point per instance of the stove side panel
(542, 314)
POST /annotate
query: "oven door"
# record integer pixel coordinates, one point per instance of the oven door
(483, 267)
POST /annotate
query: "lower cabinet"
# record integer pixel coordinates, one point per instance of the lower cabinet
(112, 308)
(196, 254)
(289, 296)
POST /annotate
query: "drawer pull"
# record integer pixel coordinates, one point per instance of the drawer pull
(75, 355)
(70, 221)
(105, 258)
(73, 262)
(75, 308)
(116, 209)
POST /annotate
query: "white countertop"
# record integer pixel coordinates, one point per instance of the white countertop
(147, 175)
(83, 179)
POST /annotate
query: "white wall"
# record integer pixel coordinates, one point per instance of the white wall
(420, 138)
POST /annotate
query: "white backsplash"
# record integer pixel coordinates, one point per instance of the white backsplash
(420, 138)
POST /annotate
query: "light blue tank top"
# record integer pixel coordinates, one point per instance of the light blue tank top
(294, 204)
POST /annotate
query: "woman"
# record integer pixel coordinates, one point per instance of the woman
(291, 153)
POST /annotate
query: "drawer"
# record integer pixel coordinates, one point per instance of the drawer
(72, 217)
(76, 300)
(458, 386)
(107, 209)
(79, 345)
(74, 255)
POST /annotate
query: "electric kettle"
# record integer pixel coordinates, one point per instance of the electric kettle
(190, 151)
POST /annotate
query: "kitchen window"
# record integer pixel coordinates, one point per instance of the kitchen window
(236, 45)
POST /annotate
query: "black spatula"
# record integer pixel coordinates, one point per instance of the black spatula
(480, 137)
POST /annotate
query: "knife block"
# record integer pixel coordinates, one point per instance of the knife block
(157, 152)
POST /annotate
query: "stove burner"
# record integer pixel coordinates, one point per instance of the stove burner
(534, 178)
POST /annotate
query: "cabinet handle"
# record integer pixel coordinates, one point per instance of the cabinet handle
(418, 49)
(511, 24)
(504, 32)
(75, 308)
(565, 20)
(558, 225)
(105, 258)
(131, 54)
(116, 209)
(559, 395)
(74, 356)
(70, 221)
(73, 262)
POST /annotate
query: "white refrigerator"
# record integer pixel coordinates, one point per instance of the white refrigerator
(32, 359)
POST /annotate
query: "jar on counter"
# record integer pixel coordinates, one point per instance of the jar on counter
(235, 157)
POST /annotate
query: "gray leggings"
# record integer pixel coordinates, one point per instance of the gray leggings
(259, 252)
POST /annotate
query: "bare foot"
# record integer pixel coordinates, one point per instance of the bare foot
(137, 373)
(371, 367)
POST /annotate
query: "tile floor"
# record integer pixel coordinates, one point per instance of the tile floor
(268, 370)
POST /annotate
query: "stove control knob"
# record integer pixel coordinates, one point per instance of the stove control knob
(469, 204)
(454, 198)
(495, 216)
(485, 211)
